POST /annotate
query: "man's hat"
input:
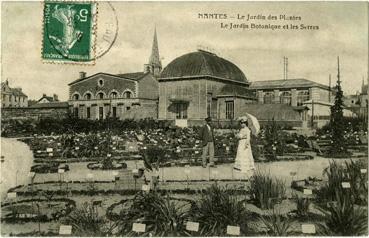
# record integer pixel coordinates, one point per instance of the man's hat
(208, 119)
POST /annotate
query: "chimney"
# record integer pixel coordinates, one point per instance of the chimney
(146, 68)
(44, 95)
(7, 82)
(55, 97)
(82, 74)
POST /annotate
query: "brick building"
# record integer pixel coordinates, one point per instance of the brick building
(129, 95)
(200, 84)
(12, 97)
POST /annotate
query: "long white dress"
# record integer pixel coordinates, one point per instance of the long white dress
(244, 159)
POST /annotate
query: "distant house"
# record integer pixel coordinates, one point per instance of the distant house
(12, 97)
(358, 103)
(48, 99)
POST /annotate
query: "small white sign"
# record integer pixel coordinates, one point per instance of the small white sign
(308, 228)
(346, 185)
(49, 150)
(109, 155)
(51, 154)
(233, 230)
(145, 188)
(59, 144)
(196, 152)
(145, 148)
(138, 227)
(96, 148)
(61, 171)
(65, 230)
(12, 195)
(77, 148)
(135, 171)
(114, 148)
(227, 148)
(115, 173)
(39, 152)
(192, 226)
(308, 191)
(363, 171)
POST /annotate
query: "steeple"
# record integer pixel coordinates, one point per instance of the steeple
(154, 65)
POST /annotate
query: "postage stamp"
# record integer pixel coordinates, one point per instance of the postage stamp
(69, 32)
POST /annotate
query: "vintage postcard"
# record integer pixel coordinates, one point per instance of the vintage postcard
(184, 118)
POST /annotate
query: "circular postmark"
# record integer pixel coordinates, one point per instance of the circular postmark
(79, 32)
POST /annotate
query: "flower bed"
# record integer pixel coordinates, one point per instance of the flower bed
(100, 166)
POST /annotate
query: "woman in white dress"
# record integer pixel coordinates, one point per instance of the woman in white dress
(244, 160)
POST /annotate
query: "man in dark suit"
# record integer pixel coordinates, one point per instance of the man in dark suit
(207, 137)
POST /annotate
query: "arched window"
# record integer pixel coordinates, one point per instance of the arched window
(75, 96)
(100, 95)
(127, 94)
(88, 96)
(302, 96)
(268, 97)
(113, 95)
(285, 98)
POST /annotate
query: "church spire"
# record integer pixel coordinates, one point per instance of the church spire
(154, 65)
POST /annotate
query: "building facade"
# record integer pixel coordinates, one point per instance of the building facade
(297, 93)
(201, 84)
(12, 97)
(358, 103)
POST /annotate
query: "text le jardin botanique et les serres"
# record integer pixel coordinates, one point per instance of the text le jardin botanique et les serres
(255, 22)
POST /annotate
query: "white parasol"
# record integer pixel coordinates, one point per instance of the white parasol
(252, 122)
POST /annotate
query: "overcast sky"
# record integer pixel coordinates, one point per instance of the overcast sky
(343, 31)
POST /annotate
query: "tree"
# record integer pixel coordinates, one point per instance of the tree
(338, 146)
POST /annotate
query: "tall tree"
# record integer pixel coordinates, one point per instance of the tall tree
(337, 120)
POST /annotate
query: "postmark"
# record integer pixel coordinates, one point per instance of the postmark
(69, 31)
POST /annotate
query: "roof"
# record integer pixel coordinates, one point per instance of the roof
(203, 63)
(50, 99)
(233, 90)
(50, 105)
(280, 112)
(13, 91)
(288, 83)
(131, 76)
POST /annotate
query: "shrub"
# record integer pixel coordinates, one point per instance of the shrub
(216, 209)
(344, 219)
(276, 224)
(302, 205)
(162, 215)
(266, 190)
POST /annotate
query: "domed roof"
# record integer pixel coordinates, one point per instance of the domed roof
(203, 63)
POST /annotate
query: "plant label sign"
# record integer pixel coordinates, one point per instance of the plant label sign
(49, 150)
(308, 228)
(346, 185)
(138, 227)
(60, 171)
(135, 171)
(308, 191)
(65, 230)
(192, 226)
(233, 230)
(145, 188)
(39, 152)
(109, 155)
(115, 173)
(12, 195)
(363, 171)
(77, 148)
(51, 154)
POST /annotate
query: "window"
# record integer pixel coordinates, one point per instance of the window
(128, 108)
(100, 82)
(229, 110)
(75, 112)
(114, 95)
(88, 96)
(181, 110)
(75, 97)
(268, 97)
(88, 113)
(100, 95)
(302, 96)
(285, 98)
(114, 112)
(127, 94)
(101, 113)
(208, 104)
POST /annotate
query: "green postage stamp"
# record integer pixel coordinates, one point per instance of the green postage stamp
(69, 32)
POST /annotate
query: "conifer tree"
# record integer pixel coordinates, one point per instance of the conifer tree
(337, 121)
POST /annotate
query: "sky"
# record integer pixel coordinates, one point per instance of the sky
(312, 54)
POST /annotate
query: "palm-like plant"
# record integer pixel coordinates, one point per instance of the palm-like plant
(87, 222)
(162, 215)
(343, 219)
(217, 208)
(276, 224)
